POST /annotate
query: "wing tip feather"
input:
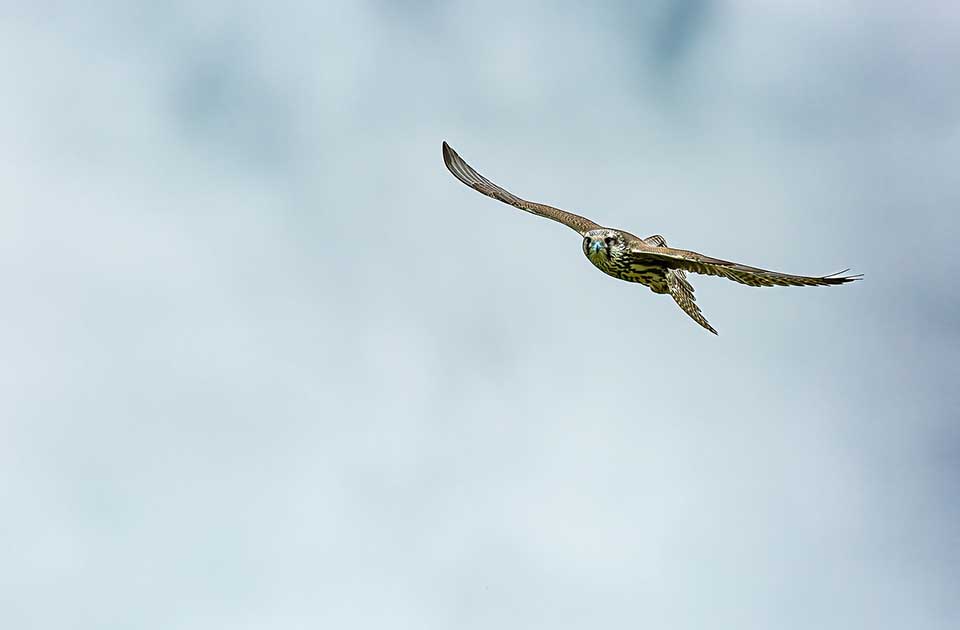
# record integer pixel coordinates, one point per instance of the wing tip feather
(835, 278)
(448, 154)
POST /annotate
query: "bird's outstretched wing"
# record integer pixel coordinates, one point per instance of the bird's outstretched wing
(465, 173)
(744, 274)
(680, 289)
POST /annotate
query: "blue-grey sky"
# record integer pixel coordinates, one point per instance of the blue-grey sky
(268, 365)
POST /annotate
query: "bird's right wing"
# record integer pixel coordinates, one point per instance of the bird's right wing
(465, 173)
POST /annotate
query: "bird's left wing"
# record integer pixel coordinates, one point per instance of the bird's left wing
(465, 173)
(744, 274)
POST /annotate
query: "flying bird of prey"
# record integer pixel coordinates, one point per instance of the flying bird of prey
(645, 260)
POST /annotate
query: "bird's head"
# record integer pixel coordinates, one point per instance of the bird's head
(602, 244)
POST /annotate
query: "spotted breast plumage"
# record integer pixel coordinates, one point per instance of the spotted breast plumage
(648, 261)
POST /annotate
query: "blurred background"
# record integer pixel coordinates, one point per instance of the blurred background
(266, 364)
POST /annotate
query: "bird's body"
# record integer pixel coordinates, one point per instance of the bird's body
(647, 261)
(605, 256)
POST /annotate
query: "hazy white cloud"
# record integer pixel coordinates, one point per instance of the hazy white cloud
(268, 365)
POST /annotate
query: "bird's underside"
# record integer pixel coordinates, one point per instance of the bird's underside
(648, 261)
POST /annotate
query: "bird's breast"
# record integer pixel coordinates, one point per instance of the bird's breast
(652, 276)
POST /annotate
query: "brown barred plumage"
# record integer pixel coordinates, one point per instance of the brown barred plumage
(647, 261)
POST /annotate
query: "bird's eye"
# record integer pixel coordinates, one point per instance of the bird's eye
(609, 240)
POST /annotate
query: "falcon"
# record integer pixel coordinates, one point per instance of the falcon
(649, 260)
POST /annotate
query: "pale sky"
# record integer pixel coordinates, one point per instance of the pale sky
(268, 365)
